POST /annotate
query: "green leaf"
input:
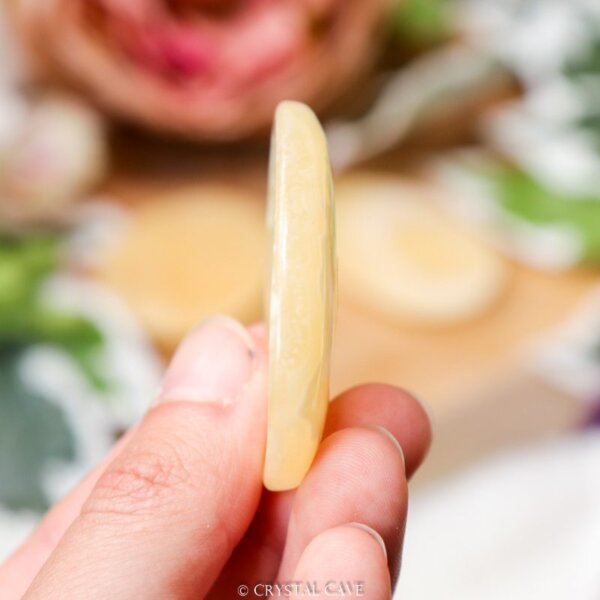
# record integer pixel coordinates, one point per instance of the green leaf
(581, 70)
(25, 262)
(34, 434)
(422, 22)
(586, 62)
(530, 200)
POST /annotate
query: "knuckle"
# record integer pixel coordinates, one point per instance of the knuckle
(140, 482)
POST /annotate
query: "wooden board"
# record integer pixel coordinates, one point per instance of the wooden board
(444, 366)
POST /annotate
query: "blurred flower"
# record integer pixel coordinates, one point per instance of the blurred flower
(203, 69)
(51, 152)
(437, 84)
(75, 371)
(530, 220)
(553, 46)
(11, 60)
(13, 112)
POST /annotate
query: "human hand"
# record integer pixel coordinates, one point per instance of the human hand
(177, 510)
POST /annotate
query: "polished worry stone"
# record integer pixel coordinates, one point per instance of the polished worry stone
(301, 293)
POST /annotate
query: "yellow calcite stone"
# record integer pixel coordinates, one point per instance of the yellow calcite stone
(188, 254)
(301, 294)
(403, 257)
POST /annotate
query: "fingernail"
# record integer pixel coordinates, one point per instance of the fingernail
(213, 364)
(373, 534)
(393, 439)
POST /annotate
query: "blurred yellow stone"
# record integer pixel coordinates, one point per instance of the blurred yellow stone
(189, 254)
(401, 256)
(300, 295)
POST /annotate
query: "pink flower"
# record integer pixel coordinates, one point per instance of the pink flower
(211, 69)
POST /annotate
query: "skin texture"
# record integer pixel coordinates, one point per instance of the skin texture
(178, 509)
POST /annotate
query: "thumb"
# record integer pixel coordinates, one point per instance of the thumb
(164, 517)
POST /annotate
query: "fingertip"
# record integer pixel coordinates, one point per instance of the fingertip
(348, 558)
(213, 363)
(259, 332)
(358, 475)
(374, 535)
(189, 477)
(393, 408)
